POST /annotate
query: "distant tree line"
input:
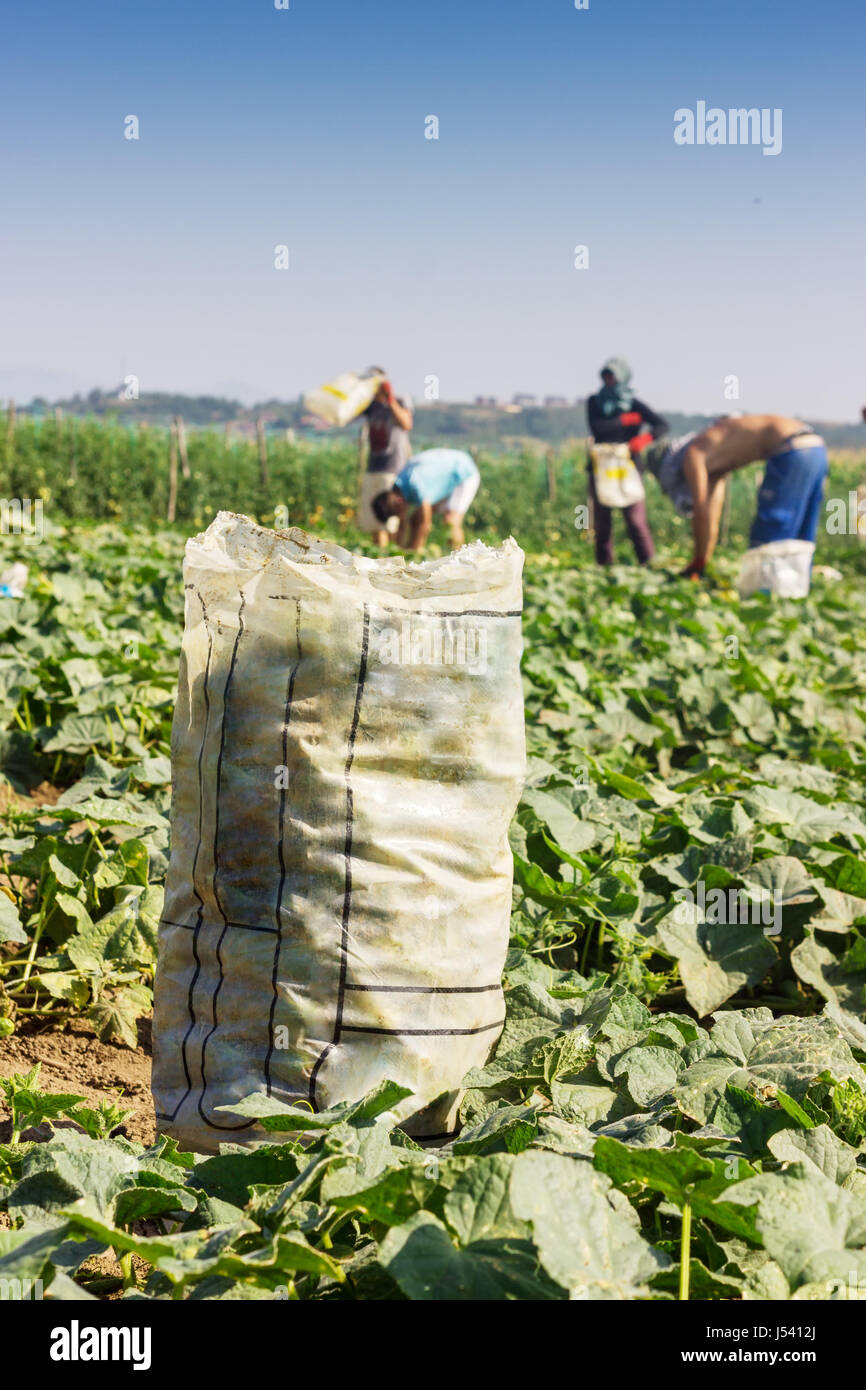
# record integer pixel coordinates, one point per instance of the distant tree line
(462, 425)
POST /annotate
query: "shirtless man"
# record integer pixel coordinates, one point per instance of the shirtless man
(692, 472)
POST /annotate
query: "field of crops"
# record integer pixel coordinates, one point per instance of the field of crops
(677, 1107)
(80, 470)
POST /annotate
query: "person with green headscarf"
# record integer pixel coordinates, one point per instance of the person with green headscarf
(616, 416)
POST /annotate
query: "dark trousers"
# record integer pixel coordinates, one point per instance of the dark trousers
(636, 524)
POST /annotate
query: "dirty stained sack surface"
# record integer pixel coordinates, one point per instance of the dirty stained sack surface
(348, 752)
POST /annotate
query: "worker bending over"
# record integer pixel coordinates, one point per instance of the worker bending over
(692, 471)
(442, 481)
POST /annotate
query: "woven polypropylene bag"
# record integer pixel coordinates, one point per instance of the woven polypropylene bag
(348, 752)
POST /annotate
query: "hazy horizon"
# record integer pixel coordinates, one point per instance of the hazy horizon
(23, 401)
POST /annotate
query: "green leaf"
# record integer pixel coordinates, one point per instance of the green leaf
(575, 836)
(68, 1167)
(765, 1056)
(816, 1148)
(715, 960)
(394, 1195)
(116, 1012)
(508, 1130)
(817, 966)
(277, 1117)
(126, 935)
(11, 929)
(801, 818)
(813, 1229)
(682, 1175)
(584, 1242)
(423, 1259)
(478, 1206)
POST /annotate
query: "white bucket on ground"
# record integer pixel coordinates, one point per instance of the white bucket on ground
(779, 567)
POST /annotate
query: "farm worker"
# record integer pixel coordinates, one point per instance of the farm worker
(691, 471)
(616, 416)
(436, 480)
(389, 420)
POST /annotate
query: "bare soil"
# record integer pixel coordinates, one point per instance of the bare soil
(43, 795)
(74, 1061)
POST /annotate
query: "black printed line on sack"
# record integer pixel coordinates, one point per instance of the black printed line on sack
(347, 854)
(240, 926)
(425, 1032)
(425, 989)
(434, 612)
(449, 612)
(194, 981)
(290, 693)
(247, 1124)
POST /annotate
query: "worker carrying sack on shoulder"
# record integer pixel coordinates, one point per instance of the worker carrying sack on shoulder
(617, 480)
(342, 400)
(347, 755)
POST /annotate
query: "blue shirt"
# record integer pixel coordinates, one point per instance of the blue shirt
(432, 475)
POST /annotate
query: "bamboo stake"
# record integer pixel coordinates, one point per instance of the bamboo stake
(263, 452)
(551, 476)
(726, 511)
(58, 435)
(10, 434)
(172, 474)
(363, 440)
(181, 444)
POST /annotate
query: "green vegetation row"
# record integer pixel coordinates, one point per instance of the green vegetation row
(89, 471)
(677, 1106)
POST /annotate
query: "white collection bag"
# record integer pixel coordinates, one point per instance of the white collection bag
(341, 401)
(779, 567)
(617, 480)
(347, 755)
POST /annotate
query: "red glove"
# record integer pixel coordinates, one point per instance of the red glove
(694, 569)
(631, 417)
(389, 394)
(640, 441)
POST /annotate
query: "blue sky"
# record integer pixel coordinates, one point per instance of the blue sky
(454, 257)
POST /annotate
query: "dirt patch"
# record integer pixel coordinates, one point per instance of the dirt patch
(74, 1061)
(43, 795)
(102, 1275)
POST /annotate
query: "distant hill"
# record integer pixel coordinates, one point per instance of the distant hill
(457, 423)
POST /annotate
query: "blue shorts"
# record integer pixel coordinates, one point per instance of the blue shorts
(789, 502)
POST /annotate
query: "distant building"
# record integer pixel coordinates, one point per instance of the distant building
(555, 402)
(486, 400)
(522, 398)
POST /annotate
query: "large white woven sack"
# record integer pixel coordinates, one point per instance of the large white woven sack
(348, 752)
